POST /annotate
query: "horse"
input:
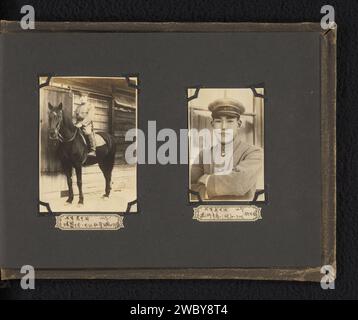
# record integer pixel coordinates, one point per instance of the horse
(72, 150)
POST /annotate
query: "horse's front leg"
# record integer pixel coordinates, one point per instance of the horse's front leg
(79, 183)
(68, 173)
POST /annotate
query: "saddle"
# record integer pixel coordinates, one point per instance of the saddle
(84, 140)
(98, 139)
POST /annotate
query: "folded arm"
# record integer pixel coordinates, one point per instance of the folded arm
(239, 181)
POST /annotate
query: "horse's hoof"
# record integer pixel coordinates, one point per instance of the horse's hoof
(80, 204)
(104, 197)
(68, 203)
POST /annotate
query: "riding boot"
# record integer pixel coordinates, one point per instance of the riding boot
(92, 142)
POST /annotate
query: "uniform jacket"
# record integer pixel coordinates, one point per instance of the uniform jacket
(237, 184)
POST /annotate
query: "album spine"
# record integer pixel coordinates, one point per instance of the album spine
(2, 187)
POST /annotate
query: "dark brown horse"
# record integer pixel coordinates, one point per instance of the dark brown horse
(73, 150)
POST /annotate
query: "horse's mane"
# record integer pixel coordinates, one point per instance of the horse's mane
(68, 129)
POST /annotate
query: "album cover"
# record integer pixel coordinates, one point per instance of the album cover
(168, 150)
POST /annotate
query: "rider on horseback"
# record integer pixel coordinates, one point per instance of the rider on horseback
(83, 120)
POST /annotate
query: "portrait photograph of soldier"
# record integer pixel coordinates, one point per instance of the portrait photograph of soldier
(83, 121)
(226, 144)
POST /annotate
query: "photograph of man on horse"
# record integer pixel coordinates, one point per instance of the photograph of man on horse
(83, 121)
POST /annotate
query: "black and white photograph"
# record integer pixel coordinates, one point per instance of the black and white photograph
(83, 122)
(226, 149)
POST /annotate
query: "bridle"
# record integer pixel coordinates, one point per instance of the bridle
(60, 137)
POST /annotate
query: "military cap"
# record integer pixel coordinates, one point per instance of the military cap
(226, 107)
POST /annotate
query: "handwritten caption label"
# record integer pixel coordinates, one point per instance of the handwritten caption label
(239, 213)
(89, 222)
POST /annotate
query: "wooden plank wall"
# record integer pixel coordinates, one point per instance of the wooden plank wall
(124, 119)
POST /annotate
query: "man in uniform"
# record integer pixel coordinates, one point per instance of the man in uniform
(236, 180)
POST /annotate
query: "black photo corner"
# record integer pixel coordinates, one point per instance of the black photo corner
(138, 77)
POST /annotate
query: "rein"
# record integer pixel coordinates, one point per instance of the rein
(62, 139)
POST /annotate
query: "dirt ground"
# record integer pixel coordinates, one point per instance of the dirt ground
(123, 191)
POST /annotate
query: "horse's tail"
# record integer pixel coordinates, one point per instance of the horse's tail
(110, 158)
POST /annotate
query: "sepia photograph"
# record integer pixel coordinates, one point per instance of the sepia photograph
(82, 165)
(226, 144)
